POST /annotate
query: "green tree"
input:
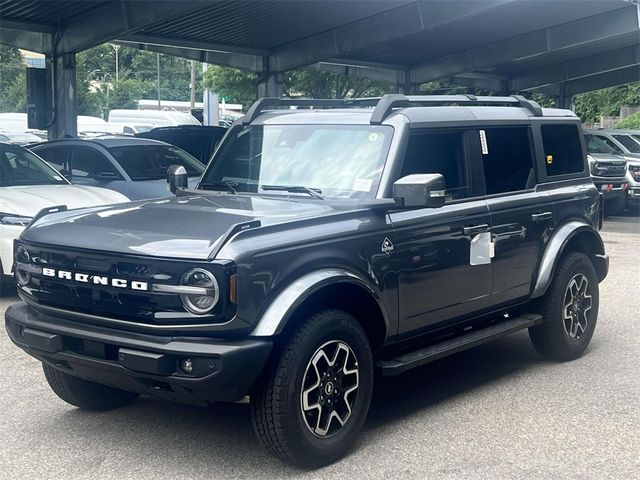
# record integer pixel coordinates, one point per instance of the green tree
(13, 80)
(312, 83)
(606, 102)
(632, 122)
(232, 84)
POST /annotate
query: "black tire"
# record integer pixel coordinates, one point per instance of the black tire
(554, 338)
(277, 401)
(85, 394)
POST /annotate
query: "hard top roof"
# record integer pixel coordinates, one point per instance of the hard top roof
(417, 109)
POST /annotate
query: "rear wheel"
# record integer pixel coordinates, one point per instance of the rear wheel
(85, 394)
(570, 310)
(313, 399)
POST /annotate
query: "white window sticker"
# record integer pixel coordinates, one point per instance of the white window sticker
(483, 142)
(362, 185)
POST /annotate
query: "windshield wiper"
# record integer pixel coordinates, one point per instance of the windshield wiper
(314, 192)
(218, 185)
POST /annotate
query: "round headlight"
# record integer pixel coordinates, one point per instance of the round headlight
(205, 291)
(22, 256)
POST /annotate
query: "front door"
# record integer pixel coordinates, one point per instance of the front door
(437, 277)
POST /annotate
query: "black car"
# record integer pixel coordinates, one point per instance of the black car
(200, 141)
(323, 244)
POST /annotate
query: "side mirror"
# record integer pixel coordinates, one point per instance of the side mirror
(177, 178)
(420, 190)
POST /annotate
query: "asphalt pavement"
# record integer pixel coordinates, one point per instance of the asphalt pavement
(497, 411)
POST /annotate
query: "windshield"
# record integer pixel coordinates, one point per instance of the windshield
(629, 143)
(19, 167)
(597, 145)
(150, 162)
(342, 161)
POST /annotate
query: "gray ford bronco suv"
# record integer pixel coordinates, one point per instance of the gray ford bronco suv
(327, 242)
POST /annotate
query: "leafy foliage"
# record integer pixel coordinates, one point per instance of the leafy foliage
(232, 84)
(13, 79)
(632, 122)
(606, 102)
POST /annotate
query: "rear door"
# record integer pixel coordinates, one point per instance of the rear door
(521, 214)
(437, 277)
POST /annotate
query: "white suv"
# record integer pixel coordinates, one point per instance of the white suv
(27, 185)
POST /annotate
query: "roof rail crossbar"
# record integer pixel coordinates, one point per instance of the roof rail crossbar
(388, 102)
(385, 105)
(270, 103)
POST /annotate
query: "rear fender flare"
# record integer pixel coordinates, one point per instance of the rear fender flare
(555, 248)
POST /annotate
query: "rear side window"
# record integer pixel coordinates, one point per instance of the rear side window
(507, 158)
(562, 149)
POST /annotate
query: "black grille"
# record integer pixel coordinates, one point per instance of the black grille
(610, 169)
(113, 302)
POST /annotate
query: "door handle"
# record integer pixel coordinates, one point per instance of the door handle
(475, 229)
(542, 217)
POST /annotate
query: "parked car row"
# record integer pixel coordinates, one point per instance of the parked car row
(27, 186)
(614, 158)
(116, 169)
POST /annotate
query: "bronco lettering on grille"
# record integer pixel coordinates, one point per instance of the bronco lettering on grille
(95, 279)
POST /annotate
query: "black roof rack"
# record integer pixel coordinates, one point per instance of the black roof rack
(271, 103)
(388, 102)
(384, 106)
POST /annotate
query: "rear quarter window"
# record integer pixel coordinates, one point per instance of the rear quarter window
(562, 149)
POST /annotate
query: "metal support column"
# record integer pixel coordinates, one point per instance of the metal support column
(564, 98)
(61, 71)
(408, 88)
(270, 85)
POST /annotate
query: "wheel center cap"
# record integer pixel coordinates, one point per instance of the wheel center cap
(328, 388)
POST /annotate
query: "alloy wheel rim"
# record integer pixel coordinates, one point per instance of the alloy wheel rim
(329, 388)
(576, 307)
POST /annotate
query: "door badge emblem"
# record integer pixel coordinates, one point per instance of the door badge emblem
(387, 246)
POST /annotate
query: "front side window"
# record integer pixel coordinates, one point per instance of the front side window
(338, 161)
(628, 142)
(595, 144)
(87, 162)
(443, 153)
(562, 149)
(150, 162)
(611, 144)
(19, 167)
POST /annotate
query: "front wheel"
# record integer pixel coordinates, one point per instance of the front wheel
(569, 310)
(313, 399)
(84, 394)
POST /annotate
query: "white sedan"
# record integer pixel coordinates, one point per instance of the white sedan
(27, 185)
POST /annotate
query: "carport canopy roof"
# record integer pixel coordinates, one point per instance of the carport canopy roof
(500, 45)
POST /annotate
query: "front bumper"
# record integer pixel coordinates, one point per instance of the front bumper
(611, 187)
(633, 196)
(223, 370)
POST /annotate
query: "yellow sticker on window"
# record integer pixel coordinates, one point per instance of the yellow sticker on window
(373, 137)
(549, 159)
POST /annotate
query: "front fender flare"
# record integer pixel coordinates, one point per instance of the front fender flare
(559, 240)
(284, 305)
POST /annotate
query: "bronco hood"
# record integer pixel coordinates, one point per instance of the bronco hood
(186, 227)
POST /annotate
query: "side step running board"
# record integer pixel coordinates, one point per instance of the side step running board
(417, 358)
